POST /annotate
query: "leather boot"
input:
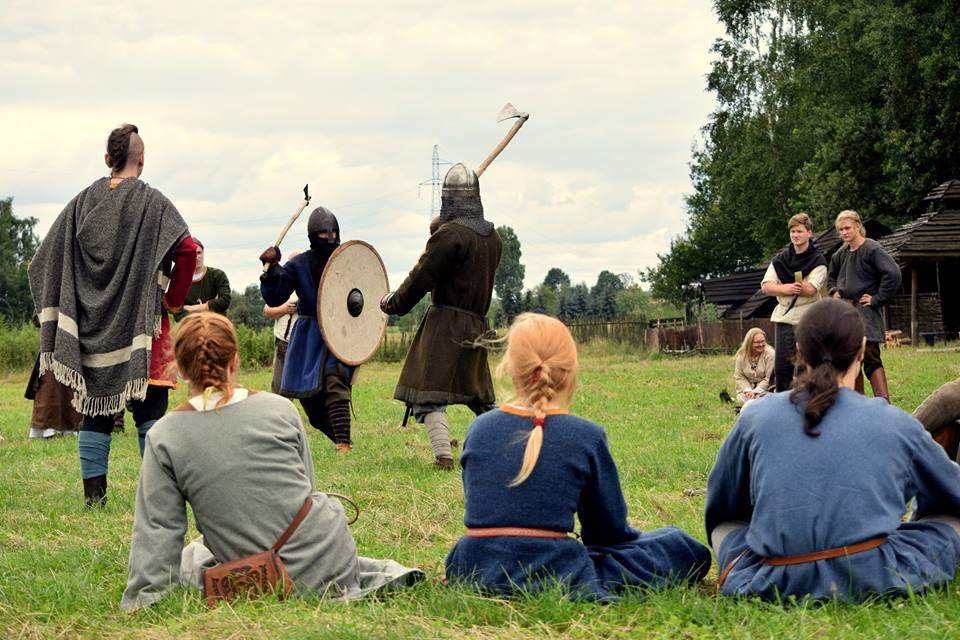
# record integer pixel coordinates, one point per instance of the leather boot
(444, 464)
(878, 382)
(95, 491)
(858, 384)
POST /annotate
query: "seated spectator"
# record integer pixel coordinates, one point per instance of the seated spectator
(753, 366)
(241, 459)
(530, 466)
(808, 492)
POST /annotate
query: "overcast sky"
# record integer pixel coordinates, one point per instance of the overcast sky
(240, 106)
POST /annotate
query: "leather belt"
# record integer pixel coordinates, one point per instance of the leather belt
(489, 532)
(459, 310)
(826, 555)
(803, 558)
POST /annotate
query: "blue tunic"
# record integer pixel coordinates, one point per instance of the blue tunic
(575, 475)
(802, 494)
(302, 370)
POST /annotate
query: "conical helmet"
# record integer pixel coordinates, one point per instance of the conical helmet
(460, 200)
(461, 181)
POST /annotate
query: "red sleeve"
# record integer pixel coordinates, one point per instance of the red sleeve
(184, 261)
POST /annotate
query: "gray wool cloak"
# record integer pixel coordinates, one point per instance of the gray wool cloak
(246, 471)
(444, 366)
(97, 282)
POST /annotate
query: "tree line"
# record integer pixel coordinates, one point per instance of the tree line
(612, 296)
(820, 106)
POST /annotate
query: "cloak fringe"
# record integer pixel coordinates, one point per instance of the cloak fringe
(85, 404)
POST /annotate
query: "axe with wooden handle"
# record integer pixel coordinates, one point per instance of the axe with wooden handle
(508, 111)
(293, 218)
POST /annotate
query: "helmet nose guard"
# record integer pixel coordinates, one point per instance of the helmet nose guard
(322, 219)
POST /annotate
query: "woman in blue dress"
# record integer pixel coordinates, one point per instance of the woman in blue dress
(808, 491)
(530, 466)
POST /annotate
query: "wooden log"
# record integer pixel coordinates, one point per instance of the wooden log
(914, 298)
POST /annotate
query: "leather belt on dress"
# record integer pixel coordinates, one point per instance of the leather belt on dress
(523, 532)
(803, 558)
(459, 310)
(484, 323)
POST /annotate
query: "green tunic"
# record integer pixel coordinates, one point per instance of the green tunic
(213, 288)
(457, 267)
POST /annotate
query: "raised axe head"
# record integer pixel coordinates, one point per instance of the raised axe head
(510, 111)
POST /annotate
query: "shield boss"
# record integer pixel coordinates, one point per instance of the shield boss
(348, 302)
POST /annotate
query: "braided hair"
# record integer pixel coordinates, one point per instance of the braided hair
(204, 348)
(541, 360)
(122, 141)
(829, 339)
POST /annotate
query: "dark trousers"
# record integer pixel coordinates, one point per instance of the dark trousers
(871, 358)
(785, 345)
(336, 390)
(152, 407)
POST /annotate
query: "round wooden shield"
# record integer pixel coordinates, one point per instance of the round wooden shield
(348, 302)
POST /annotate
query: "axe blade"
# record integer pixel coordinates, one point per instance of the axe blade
(509, 111)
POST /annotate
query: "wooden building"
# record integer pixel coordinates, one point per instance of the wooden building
(928, 252)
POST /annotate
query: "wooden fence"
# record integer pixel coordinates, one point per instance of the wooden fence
(724, 335)
(618, 331)
(674, 337)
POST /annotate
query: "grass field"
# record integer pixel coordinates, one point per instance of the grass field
(63, 568)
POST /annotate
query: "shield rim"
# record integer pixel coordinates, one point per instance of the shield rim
(323, 279)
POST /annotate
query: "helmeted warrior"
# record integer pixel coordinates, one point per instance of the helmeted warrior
(446, 364)
(311, 372)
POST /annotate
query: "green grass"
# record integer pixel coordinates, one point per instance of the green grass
(62, 568)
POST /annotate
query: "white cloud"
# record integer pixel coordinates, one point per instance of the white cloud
(240, 105)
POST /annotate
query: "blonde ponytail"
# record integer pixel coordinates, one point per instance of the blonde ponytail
(541, 394)
(541, 360)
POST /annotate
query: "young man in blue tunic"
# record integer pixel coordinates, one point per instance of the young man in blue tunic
(531, 466)
(310, 372)
(808, 491)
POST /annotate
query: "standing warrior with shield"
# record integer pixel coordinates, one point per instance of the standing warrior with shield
(311, 372)
(445, 365)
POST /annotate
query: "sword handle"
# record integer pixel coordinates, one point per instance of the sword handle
(503, 143)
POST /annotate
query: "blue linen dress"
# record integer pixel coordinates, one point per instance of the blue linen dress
(802, 494)
(575, 474)
(307, 354)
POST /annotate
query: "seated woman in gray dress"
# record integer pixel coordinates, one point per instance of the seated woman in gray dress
(241, 460)
(808, 491)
